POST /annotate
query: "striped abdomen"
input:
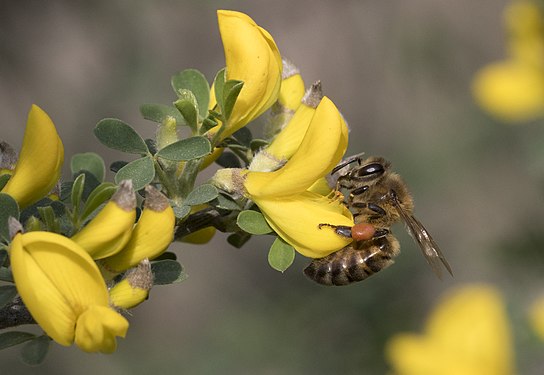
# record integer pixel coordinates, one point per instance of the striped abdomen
(355, 262)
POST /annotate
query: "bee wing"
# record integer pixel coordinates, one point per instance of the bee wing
(428, 246)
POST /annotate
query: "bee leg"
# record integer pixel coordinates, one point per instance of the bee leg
(381, 232)
(342, 230)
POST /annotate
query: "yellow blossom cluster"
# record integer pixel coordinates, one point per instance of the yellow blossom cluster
(513, 89)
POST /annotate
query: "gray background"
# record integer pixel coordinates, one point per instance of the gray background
(400, 72)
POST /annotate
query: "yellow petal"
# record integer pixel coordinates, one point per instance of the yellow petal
(57, 281)
(296, 219)
(251, 56)
(151, 235)
(524, 18)
(134, 288)
(39, 166)
(292, 86)
(321, 149)
(97, 327)
(510, 90)
(289, 139)
(468, 333)
(536, 317)
(110, 230)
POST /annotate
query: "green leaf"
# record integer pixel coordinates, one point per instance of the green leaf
(281, 255)
(218, 84)
(186, 149)
(253, 222)
(166, 255)
(4, 180)
(194, 81)
(226, 202)
(228, 160)
(243, 136)
(167, 272)
(7, 294)
(34, 351)
(207, 124)
(3, 256)
(99, 195)
(181, 212)
(77, 192)
(12, 338)
(238, 239)
(118, 135)
(201, 194)
(8, 207)
(140, 171)
(257, 144)
(231, 90)
(5, 275)
(90, 162)
(160, 113)
(188, 107)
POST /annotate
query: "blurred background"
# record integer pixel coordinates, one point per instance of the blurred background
(399, 71)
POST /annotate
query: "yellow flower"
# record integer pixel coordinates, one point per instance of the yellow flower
(510, 90)
(40, 160)
(289, 139)
(513, 89)
(292, 86)
(251, 56)
(282, 195)
(134, 288)
(62, 288)
(150, 237)
(536, 317)
(467, 333)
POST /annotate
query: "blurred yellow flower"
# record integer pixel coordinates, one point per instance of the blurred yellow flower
(536, 317)
(513, 89)
(62, 288)
(282, 195)
(40, 160)
(251, 56)
(468, 333)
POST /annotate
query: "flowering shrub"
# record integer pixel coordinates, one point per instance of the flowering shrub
(81, 251)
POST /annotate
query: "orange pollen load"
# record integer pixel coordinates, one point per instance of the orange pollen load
(362, 232)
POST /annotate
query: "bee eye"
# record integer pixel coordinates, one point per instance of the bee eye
(375, 169)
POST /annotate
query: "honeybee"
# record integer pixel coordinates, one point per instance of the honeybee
(378, 198)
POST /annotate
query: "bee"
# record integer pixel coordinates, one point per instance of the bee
(378, 198)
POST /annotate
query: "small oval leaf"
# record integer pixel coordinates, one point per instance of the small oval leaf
(8, 207)
(281, 255)
(218, 84)
(12, 338)
(77, 192)
(196, 82)
(167, 272)
(34, 352)
(229, 160)
(187, 106)
(238, 239)
(99, 195)
(90, 162)
(201, 194)
(7, 294)
(160, 113)
(231, 90)
(186, 149)
(140, 171)
(253, 222)
(181, 212)
(118, 135)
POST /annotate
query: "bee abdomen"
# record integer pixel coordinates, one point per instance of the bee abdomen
(350, 265)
